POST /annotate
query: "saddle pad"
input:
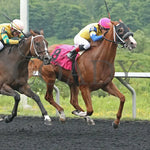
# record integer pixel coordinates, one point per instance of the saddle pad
(59, 56)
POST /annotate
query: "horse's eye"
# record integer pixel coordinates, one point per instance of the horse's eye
(120, 30)
(37, 44)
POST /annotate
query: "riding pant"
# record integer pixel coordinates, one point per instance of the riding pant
(78, 40)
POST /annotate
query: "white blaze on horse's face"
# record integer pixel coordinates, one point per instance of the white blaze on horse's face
(131, 43)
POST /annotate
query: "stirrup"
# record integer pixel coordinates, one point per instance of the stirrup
(72, 54)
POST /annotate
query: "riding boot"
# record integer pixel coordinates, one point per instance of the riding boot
(72, 54)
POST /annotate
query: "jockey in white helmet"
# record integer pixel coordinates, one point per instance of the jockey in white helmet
(10, 30)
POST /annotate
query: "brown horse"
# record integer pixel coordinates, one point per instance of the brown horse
(14, 70)
(95, 70)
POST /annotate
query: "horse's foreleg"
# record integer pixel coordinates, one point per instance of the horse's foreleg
(28, 92)
(7, 90)
(113, 90)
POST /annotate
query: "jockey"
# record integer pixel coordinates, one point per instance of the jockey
(10, 30)
(90, 32)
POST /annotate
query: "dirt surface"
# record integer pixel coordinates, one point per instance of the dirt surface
(29, 133)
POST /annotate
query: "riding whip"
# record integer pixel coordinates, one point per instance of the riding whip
(12, 21)
(107, 9)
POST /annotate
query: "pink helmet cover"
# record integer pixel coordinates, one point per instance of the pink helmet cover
(104, 22)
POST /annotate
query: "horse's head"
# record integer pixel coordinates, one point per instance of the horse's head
(39, 47)
(122, 35)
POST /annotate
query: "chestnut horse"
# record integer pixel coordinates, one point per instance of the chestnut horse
(14, 61)
(95, 70)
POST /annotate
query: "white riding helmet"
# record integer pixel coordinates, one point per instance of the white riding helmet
(17, 25)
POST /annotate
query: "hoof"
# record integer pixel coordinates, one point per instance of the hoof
(62, 117)
(62, 120)
(115, 126)
(79, 113)
(75, 112)
(1, 119)
(47, 120)
(8, 119)
(89, 120)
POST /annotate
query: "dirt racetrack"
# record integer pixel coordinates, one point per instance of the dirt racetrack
(29, 133)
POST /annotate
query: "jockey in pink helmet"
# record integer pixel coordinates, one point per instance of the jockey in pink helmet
(91, 32)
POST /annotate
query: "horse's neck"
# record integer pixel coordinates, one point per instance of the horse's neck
(25, 49)
(107, 50)
(21, 53)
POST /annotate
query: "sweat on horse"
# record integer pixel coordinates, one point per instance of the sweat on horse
(95, 69)
(14, 70)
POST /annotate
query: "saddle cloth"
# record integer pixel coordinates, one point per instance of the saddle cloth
(59, 56)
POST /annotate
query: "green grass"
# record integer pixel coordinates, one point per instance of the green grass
(104, 107)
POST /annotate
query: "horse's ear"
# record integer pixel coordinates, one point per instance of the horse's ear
(120, 21)
(32, 32)
(42, 32)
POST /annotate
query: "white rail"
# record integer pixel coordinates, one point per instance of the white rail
(121, 75)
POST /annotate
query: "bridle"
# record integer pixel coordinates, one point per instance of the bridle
(121, 39)
(35, 50)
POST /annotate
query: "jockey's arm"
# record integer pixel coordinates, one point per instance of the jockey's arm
(6, 39)
(94, 37)
(93, 34)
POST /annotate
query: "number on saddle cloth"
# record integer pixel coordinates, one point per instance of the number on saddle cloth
(56, 54)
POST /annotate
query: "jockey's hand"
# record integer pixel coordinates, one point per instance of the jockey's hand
(22, 39)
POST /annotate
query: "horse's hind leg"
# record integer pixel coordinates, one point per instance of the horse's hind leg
(28, 92)
(6, 90)
(74, 91)
(113, 90)
(50, 99)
